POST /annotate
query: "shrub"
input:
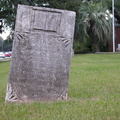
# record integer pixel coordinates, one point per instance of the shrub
(82, 47)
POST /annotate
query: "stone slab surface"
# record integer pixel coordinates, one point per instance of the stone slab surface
(41, 54)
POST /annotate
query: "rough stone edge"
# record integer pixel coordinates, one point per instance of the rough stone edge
(63, 95)
(11, 96)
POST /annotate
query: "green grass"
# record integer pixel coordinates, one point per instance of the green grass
(94, 93)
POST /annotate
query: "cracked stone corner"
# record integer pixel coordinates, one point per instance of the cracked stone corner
(11, 96)
(63, 95)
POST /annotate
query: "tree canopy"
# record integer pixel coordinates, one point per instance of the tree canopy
(8, 8)
(92, 21)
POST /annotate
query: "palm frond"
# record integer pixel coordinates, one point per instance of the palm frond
(93, 21)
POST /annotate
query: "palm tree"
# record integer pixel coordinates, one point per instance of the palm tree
(94, 23)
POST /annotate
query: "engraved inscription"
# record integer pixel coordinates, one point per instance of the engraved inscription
(39, 20)
(46, 20)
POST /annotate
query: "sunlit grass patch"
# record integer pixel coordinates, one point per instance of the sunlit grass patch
(94, 93)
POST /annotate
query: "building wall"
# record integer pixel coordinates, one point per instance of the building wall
(117, 39)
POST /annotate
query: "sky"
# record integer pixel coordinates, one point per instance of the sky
(5, 34)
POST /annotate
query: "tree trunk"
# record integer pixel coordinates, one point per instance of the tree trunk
(97, 49)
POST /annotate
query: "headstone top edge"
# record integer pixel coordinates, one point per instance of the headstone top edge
(47, 9)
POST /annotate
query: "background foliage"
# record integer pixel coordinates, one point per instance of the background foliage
(83, 31)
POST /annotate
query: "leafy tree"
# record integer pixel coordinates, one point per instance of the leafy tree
(91, 28)
(93, 23)
(9, 7)
(5, 45)
(108, 3)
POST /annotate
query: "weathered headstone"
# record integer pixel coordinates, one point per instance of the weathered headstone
(41, 55)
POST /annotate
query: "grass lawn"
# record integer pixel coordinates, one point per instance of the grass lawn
(94, 93)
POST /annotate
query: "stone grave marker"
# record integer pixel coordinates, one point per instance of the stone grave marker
(41, 55)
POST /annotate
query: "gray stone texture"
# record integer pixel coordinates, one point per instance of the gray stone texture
(41, 55)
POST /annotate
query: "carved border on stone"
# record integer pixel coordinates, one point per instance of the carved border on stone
(54, 15)
(63, 95)
(11, 96)
(66, 43)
